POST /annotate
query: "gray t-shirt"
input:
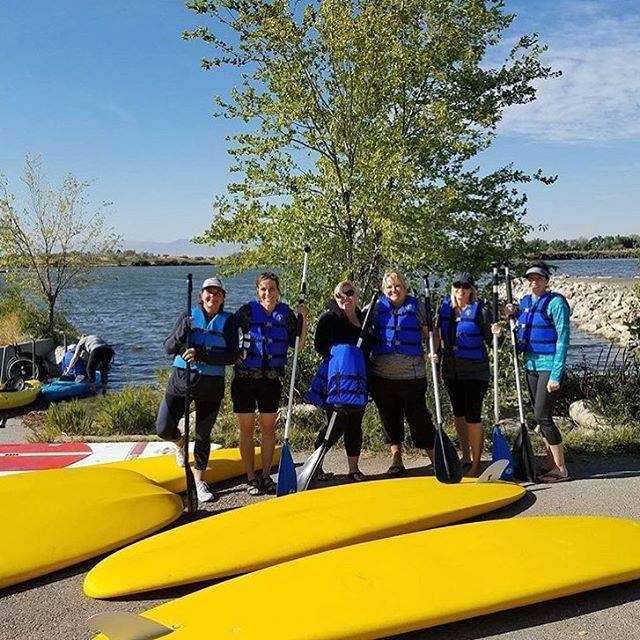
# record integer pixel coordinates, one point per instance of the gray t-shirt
(89, 343)
(396, 366)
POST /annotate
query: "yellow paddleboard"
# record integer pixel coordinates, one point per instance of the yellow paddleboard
(14, 399)
(277, 530)
(53, 519)
(409, 582)
(223, 464)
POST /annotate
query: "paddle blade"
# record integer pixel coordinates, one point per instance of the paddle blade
(523, 461)
(500, 451)
(445, 459)
(287, 479)
(311, 466)
(192, 492)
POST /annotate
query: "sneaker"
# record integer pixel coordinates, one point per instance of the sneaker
(204, 495)
(180, 456)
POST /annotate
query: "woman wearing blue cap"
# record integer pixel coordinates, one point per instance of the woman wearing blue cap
(464, 331)
(543, 339)
(214, 339)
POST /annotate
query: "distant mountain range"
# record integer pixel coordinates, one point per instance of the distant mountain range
(182, 247)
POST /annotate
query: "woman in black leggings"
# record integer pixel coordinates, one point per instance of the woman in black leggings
(464, 331)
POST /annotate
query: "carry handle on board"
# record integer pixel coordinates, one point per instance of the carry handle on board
(192, 495)
(287, 481)
(445, 457)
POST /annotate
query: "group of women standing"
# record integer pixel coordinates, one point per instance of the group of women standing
(396, 375)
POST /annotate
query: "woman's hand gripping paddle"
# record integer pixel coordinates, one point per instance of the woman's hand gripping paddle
(192, 494)
(287, 479)
(446, 462)
(523, 459)
(499, 446)
(311, 466)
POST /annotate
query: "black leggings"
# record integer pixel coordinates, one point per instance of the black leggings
(543, 403)
(466, 398)
(172, 410)
(347, 424)
(400, 399)
(100, 359)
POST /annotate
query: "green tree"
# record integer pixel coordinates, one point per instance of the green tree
(362, 121)
(50, 243)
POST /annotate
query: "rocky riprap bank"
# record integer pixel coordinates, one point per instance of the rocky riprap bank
(600, 306)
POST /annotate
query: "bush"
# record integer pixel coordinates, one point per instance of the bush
(69, 418)
(131, 411)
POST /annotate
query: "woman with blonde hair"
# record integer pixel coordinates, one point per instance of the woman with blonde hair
(465, 330)
(398, 371)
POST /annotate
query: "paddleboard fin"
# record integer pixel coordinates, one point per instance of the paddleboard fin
(122, 625)
(493, 472)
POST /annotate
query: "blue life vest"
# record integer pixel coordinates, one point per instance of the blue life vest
(208, 336)
(462, 334)
(79, 368)
(398, 330)
(317, 393)
(536, 331)
(347, 377)
(268, 338)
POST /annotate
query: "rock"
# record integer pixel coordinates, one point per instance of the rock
(586, 416)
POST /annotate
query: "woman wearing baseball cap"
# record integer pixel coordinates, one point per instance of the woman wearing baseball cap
(214, 339)
(543, 339)
(464, 329)
(269, 327)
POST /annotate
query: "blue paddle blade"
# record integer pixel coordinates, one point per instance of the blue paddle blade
(287, 478)
(500, 451)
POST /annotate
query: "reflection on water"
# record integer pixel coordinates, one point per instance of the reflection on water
(134, 308)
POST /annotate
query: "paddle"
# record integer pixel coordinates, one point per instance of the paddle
(192, 494)
(524, 468)
(311, 466)
(499, 446)
(445, 458)
(287, 479)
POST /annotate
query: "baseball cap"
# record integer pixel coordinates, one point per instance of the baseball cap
(541, 271)
(464, 278)
(213, 282)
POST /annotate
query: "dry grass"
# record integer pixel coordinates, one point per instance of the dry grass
(11, 329)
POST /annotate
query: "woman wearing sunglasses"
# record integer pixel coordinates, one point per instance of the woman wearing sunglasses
(340, 323)
(465, 330)
(543, 339)
(399, 375)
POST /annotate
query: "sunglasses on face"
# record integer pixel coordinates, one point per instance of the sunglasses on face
(461, 285)
(216, 293)
(346, 294)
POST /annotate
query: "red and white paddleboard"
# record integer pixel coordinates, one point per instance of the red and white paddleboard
(15, 458)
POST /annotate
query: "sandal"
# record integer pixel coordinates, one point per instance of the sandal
(253, 487)
(268, 485)
(551, 478)
(323, 476)
(396, 470)
(356, 476)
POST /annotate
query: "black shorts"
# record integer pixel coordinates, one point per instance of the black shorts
(467, 397)
(251, 393)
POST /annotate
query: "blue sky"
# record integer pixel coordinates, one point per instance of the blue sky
(110, 92)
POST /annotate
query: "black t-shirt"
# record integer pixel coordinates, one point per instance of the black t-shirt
(334, 328)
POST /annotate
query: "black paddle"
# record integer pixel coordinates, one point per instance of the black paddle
(287, 479)
(311, 466)
(445, 457)
(523, 460)
(192, 494)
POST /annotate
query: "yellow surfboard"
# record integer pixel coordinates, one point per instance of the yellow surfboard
(56, 518)
(15, 399)
(223, 465)
(273, 531)
(410, 582)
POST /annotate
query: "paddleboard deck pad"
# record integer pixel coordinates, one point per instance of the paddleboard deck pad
(410, 582)
(296, 525)
(57, 518)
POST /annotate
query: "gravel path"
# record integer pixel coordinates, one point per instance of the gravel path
(54, 608)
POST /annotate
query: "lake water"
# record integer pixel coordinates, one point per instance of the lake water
(134, 308)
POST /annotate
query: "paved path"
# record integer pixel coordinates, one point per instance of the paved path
(54, 608)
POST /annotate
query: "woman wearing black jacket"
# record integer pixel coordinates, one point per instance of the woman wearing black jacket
(341, 323)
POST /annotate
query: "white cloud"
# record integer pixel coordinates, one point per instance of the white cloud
(597, 99)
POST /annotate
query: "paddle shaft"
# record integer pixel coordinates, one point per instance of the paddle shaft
(514, 345)
(296, 350)
(4, 359)
(192, 501)
(432, 352)
(496, 319)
